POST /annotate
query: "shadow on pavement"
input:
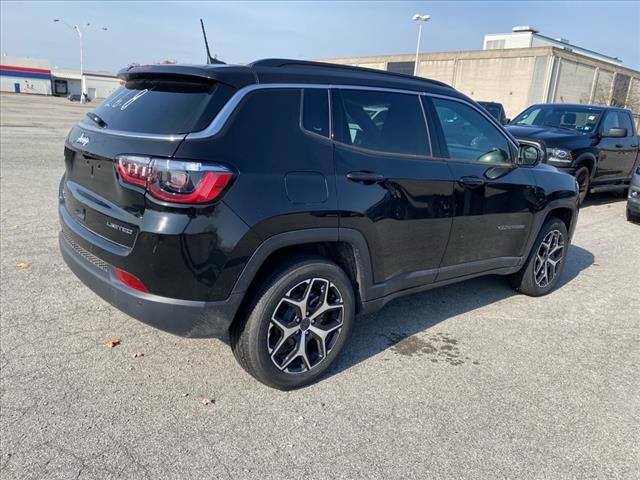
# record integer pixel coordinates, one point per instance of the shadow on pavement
(604, 198)
(394, 325)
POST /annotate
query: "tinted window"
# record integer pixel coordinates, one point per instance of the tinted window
(617, 120)
(468, 135)
(315, 111)
(387, 122)
(161, 106)
(625, 122)
(578, 119)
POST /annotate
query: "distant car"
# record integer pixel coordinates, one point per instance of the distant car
(496, 110)
(633, 200)
(596, 144)
(75, 97)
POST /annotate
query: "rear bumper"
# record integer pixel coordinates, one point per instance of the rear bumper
(186, 318)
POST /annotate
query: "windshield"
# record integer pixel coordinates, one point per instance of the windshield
(578, 119)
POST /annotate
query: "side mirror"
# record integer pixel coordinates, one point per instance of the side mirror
(507, 121)
(530, 154)
(615, 133)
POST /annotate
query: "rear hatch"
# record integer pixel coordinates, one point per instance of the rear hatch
(148, 116)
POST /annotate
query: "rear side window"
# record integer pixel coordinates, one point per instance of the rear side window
(315, 111)
(383, 121)
(162, 106)
(468, 135)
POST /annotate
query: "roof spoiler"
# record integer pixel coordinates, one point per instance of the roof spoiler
(233, 75)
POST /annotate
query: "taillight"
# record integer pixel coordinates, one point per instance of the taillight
(131, 280)
(175, 181)
(134, 169)
(187, 182)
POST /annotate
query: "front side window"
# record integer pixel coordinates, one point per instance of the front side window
(468, 135)
(576, 119)
(315, 111)
(384, 121)
(615, 119)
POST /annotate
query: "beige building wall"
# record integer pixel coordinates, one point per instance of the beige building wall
(519, 77)
(504, 80)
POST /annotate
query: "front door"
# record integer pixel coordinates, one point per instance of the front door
(492, 197)
(390, 188)
(617, 155)
(16, 88)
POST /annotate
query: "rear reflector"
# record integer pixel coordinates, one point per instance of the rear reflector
(131, 280)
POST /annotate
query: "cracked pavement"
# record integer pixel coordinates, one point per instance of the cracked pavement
(466, 381)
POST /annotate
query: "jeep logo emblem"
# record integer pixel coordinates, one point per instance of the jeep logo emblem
(82, 140)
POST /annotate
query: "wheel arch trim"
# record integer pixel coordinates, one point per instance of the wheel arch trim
(308, 236)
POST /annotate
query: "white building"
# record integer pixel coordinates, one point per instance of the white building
(25, 75)
(98, 84)
(33, 75)
(525, 36)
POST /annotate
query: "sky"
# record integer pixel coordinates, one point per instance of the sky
(239, 32)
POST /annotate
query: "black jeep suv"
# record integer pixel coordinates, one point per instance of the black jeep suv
(272, 202)
(599, 145)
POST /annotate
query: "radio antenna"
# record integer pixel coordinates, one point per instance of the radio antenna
(210, 60)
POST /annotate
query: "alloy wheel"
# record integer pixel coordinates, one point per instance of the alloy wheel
(548, 258)
(305, 325)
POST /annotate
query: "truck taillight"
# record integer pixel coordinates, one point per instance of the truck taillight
(175, 181)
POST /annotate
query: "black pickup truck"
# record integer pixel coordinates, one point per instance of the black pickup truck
(599, 145)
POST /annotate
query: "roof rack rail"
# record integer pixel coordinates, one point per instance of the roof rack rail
(284, 62)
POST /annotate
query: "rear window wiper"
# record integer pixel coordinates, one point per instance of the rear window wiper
(96, 118)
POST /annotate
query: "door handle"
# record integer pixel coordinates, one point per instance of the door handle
(471, 182)
(366, 177)
(619, 145)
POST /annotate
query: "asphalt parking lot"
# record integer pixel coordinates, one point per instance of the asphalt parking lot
(466, 381)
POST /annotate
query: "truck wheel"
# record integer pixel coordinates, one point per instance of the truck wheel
(583, 177)
(296, 323)
(631, 217)
(546, 261)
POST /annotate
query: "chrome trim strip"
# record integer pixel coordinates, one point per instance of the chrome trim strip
(426, 124)
(121, 133)
(220, 120)
(218, 123)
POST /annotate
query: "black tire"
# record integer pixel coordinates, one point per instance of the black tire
(583, 176)
(259, 334)
(530, 280)
(631, 217)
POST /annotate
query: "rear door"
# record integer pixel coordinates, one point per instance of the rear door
(390, 187)
(492, 197)
(617, 155)
(146, 118)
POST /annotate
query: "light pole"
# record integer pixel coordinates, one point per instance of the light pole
(420, 19)
(81, 33)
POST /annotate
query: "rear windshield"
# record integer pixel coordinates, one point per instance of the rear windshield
(161, 106)
(494, 110)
